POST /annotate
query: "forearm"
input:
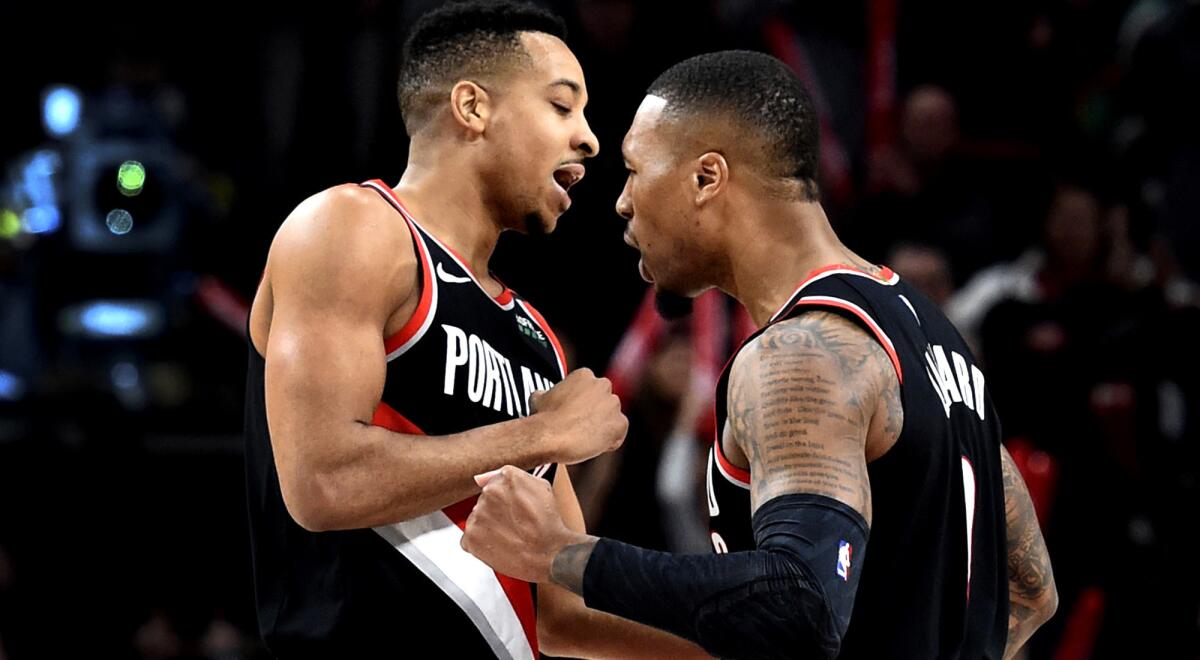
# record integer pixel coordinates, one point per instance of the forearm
(382, 477)
(732, 605)
(573, 630)
(1033, 597)
(1024, 618)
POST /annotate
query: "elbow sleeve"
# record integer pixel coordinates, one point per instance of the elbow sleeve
(790, 597)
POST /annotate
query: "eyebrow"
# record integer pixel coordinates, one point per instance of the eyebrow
(570, 84)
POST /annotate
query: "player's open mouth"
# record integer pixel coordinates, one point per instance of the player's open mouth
(566, 176)
(643, 270)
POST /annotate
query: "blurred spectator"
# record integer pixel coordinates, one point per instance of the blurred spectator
(1158, 41)
(649, 492)
(1084, 308)
(1086, 360)
(1069, 253)
(159, 638)
(924, 189)
(924, 267)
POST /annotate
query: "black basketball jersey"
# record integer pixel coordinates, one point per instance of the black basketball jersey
(934, 580)
(464, 360)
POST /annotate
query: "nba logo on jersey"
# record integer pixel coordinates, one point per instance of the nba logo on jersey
(843, 564)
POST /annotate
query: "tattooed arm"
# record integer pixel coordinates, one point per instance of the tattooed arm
(805, 398)
(809, 399)
(1032, 597)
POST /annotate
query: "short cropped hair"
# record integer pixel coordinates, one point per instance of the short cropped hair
(762, 95)
(463, 39)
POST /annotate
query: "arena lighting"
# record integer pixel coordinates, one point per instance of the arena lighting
(112, 319)
(111, 189)
(131, 178)
(10, 224)
(11, 387)
(36, 186)
(119, 221)
(41, 219)
(62, 108)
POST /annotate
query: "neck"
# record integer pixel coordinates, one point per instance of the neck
(449, 202)
(792, 239)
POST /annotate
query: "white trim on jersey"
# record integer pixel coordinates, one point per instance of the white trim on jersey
(730, 478)
(562, 367)
(912, 309)
(718, 455)
(837, 271)
(714, 507)
(431, 543)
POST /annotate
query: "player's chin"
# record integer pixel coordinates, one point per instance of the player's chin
(670, 303)
(541, 222)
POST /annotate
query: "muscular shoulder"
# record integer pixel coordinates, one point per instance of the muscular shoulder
(802, 400)
(817, 342)
(346, 242)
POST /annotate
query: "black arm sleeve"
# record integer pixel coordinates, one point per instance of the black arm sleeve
(789, 598)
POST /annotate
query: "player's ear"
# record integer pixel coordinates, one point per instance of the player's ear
(710, 176)
(471, 106)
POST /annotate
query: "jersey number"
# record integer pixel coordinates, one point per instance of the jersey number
(968, 472)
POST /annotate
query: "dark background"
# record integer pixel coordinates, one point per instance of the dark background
(1034, 165)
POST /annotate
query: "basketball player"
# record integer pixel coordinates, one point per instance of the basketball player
(859, 495)
(388, 367)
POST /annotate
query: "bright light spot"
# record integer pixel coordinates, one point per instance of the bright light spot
(131, 177)
(41, 219)
(11, 387)
(119, 221)
(114, 319)
(61, 110)
(10, 224)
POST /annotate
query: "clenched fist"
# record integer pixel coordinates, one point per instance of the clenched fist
(515, 526)
(583, 415)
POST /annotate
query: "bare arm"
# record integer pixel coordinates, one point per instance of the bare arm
(1032, 597)
(568, 628)
(340, 266)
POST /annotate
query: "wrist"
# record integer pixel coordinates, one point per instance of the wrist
(545, 446)
(569, 561)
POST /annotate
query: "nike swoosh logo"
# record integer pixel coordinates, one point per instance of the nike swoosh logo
(447, 277)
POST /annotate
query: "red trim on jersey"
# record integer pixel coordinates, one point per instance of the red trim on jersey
(719, 431)
(519, 593)
(884, 341)
(414, 324)
(730, 469)
(885, 274)
(505, 296)
(387, 417)
(460, 511)
(537, 316)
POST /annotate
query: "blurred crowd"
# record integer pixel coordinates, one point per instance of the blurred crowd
(1031, 166)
